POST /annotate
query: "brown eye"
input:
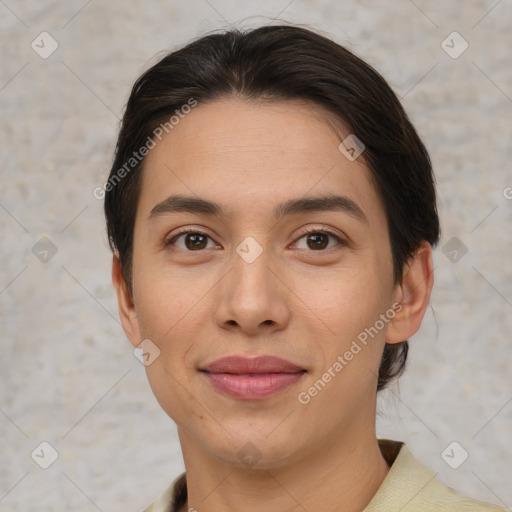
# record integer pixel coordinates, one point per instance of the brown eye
(193, 240)
(318, 239)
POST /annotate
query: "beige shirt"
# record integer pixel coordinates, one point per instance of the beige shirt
(408, 487)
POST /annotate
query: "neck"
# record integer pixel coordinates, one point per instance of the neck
(343, 473)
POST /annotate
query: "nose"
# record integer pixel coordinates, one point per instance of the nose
(253, 298)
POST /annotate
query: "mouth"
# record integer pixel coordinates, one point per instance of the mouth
(252, 379)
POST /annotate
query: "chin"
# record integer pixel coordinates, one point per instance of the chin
(254, 452)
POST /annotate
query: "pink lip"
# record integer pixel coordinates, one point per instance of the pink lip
(252, 379)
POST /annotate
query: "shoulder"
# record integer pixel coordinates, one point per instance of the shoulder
(411, 487)
(173, 498)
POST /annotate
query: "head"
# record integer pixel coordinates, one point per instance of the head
(311, 209)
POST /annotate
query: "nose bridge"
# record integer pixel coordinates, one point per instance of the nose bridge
(251, 267)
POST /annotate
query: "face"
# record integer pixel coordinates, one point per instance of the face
(269, 273)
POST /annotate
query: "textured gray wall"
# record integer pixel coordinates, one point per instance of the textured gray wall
(68, 375)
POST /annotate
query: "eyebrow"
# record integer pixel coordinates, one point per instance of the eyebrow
(330, 202)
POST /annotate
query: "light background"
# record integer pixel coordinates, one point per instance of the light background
(68, 375)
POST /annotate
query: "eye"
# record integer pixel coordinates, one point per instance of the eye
(193, 240)
(318, 239)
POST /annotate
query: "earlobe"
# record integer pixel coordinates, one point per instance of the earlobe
(127, 311)
(413, 293)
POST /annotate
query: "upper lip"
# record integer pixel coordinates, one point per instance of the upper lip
(260, 364)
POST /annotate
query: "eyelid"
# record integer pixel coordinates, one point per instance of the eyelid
(342, 240)
(190, 229)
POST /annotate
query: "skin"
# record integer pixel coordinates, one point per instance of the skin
(295, 301)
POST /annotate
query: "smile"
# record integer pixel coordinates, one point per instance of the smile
(245, 378)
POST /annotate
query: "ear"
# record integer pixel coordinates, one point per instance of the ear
(413, 293)
(127, 312)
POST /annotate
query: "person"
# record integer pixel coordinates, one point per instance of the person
(272, 214)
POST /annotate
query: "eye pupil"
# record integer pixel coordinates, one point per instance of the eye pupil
(318, 244)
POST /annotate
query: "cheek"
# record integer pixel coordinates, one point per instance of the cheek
(352, 348)
(170, 317)
(164, 300)
(173, 308)
(349, 301)
(173, 392)
(350, 307)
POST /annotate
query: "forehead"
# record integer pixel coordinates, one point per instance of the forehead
(249, 156)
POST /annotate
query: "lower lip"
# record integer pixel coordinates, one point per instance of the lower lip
(252, 387)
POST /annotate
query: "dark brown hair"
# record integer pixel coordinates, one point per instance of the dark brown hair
(281, 63)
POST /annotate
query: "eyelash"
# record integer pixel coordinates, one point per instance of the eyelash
(307, 231)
